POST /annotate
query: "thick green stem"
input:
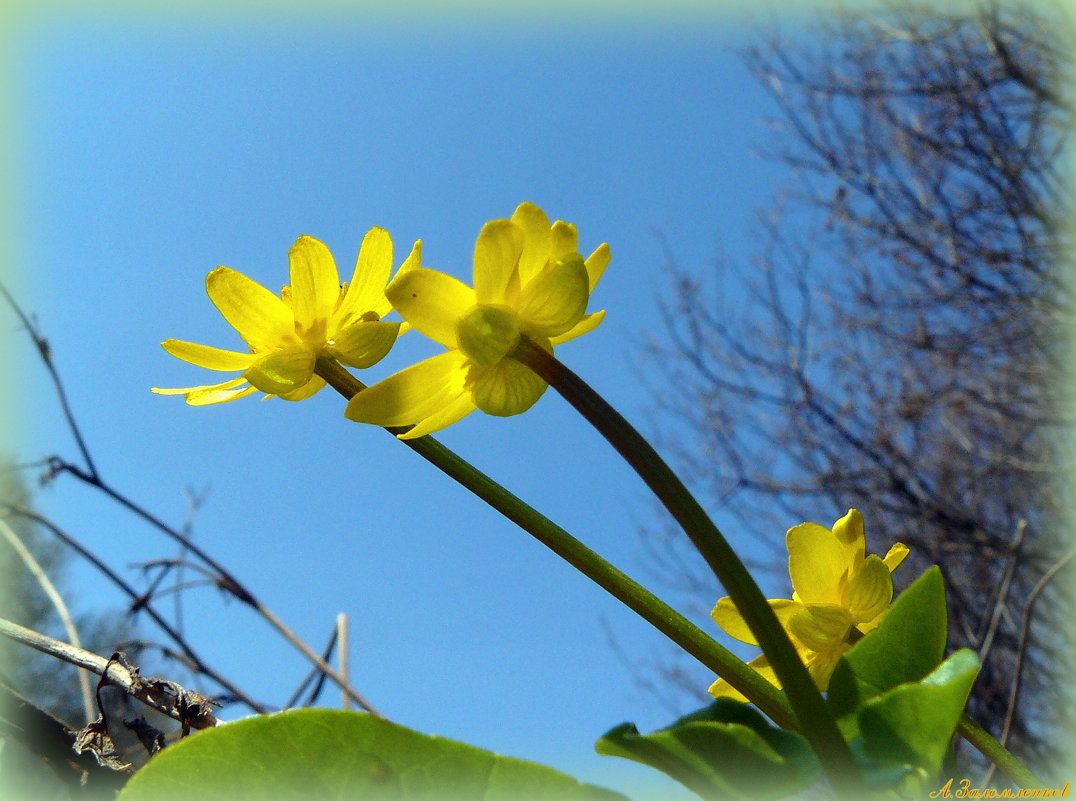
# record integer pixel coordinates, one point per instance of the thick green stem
(815, 720)
(636, 597)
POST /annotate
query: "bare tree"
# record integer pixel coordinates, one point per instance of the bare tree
(900, 346)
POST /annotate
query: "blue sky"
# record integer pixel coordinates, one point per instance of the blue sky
(149, 152)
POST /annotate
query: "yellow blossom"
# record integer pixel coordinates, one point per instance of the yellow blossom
(529, 280)
(315, 315)
(836, 587)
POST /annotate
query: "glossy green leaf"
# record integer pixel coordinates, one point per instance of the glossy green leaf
(725, 751)
(331, 754)
(909, 644)
(912, 724)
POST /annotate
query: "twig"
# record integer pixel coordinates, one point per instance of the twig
(93, 478)
(45, 352)
(148, 691)
(1003, 589)
(58, 604)
(1022, 646)
(341, 652)
(227, 581)
(140, 602)
(312, 675)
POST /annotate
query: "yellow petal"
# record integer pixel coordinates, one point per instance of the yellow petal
(850, 532)
(260, 317)
(496, 254)
(366, 290)
(413, 261)
(596, 264)
(821, 664)
(281, 371)
(820, 626)
(310, 388)
(364, 343)
(205, 356)
(432, 302)
(412, 394)
(206, 397)
(896, 556)
(870, 591)
(537, 240)
(507, 388)
(565, 240)
(817, 562)
(556, 299)
(450, 413)
(234, 382)
(761, 665)
(315, 283)
(488, 333)
(731, 621)
(584, 326)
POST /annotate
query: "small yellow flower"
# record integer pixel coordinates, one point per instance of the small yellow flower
(836, 586)
(315, 315)
(529, 280)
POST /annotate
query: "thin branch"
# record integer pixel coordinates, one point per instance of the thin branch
(45, 352)
(58, 604)
(113, 670)
(139, 602)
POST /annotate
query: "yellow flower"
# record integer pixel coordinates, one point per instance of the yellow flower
(836, 586)
(315, 315)
(529, 280)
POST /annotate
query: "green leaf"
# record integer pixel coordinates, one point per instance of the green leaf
(912, 724)
(909, 643)
(725, 750)
(332, 754)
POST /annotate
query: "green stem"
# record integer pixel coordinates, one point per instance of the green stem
(814, 716)
(990, 748)
(632, 594)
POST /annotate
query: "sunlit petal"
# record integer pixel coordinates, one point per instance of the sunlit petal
(584, 326)
(850, 532)
(895, 556)
(366, 289)
(761, 665)
(496, 254)
(817, 563)
(596, 264)
(822, 664)
(565, 240)
(281, 371)
(507, 388)
(210, 396)
(413, 261)
(432, 302)
(310, 388)
(315, 283)
(260, 317)
(234, 382)
(556, 299)
(537, 240)
(870, 592)
(208, 357)
(731, 621)
(820, 626)
(363, 344)
(412, 394)
(452, 412)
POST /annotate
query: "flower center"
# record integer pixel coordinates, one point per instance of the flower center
(487, 334)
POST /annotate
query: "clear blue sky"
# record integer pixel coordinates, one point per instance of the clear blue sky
(149, 152)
